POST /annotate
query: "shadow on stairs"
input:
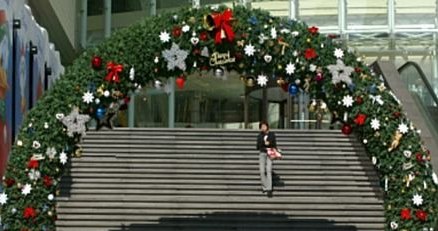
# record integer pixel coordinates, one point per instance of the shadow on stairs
(238, 221)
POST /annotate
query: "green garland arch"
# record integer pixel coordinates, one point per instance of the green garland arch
(258, 45)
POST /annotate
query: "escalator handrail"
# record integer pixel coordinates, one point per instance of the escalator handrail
(422, 76)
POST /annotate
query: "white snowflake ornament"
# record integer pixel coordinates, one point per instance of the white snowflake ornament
(290, 68)
(312, 67)
(338, 53)
(249, 50)
(347, 101)
(164, 37)
(417, 200)
(375, 124)
(403, 128)
(3, 198)
(88, 97)
(26, 189)
(262, 80)
(63, 158)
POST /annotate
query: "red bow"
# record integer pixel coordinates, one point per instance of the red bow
(113, 72)
(223, 26)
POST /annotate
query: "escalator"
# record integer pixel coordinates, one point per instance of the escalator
(412, 88)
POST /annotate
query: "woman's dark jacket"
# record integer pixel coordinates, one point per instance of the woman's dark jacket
(261, 141)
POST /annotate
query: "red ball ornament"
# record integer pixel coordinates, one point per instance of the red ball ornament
(180, 81)
(96, 62)
(396, 114)
(357, 69)
(47, 181)
(9, 182)
(203, 36)
(419, 157)
(346, 129)
(176, 32)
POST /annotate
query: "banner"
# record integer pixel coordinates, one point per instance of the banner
(6, 89)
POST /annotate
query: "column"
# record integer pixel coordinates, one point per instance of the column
(171, 102)
(107, 17)
(83, 28)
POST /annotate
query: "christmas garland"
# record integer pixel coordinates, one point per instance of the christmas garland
(262, 49)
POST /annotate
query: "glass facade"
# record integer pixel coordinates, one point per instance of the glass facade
(395, 30)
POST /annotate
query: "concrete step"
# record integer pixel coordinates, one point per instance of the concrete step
(215, 192)
(208, 179)
(140, 178)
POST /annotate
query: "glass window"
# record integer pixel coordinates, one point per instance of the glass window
(366, 13)
(415, 13)
(319, 13)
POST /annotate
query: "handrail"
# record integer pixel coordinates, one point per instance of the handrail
(422, 76)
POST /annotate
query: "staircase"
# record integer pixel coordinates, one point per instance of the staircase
(204, 179)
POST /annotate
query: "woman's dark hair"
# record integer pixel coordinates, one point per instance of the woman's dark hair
(265, 123)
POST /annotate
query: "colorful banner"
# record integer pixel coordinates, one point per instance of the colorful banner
(6, 90)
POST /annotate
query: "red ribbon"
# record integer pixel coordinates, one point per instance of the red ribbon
(222, 24)
(113, 72)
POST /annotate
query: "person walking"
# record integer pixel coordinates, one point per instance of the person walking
(265, 139)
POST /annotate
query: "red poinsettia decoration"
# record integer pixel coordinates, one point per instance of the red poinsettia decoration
(47, 181)
(33, 164)
(405, 214)
(360, 119)
(310, 53)
(177, 31)
(313, 30)
(421, 215)
(113, 72)
(9, 182)
(29, 213)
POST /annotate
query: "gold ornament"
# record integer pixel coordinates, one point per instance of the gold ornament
(78, 152)
(241, 43)
(308, 40)
(306, 85)
(192, 20)
(208, 23)
(280, 82)
(283, 46)
(100, 90)
(395, 141)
